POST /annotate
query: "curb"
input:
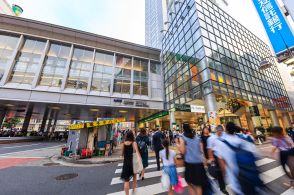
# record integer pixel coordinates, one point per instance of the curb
(71, 162)
(12, 141)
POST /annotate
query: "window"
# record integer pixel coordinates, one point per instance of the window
(80, 69)
(155, 67)
(122, 74)
(27, 61)
(102, 74)
(55, 65)
(7, 45)
(140, 77)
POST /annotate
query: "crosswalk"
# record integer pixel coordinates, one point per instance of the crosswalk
(272, 175)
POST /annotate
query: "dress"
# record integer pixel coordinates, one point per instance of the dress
(144, 150)
(127, 170)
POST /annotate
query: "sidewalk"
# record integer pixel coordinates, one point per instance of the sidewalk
(115, 157)
(9, 140)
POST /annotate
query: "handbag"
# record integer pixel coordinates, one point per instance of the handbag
(137, 163)
(165, 182)
(179, 161)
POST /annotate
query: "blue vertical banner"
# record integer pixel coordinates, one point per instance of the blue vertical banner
(275, 24)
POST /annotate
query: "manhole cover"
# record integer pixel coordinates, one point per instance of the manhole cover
(66, 176)
(51, 164)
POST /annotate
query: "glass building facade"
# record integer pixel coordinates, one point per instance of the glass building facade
(206, 51)
(154, 10)
(51, 65)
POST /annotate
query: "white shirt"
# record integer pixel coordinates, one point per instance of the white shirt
(170, 161)
(212, 143)
(226, 153)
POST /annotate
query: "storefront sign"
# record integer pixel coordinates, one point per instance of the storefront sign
(198, 109)
(183, 107)
(276, 26)
(154, 116)
(142, 104)
(117, 100)
(96, 123)
(76, 126)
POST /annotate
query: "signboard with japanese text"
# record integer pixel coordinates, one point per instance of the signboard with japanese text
(278, 30)
(95, 123)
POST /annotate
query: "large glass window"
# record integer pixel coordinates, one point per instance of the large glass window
(140, 77)
(27, 61)
(80, 68)
(55, 65)
(102, 73)
(122, 74)
(7, 45)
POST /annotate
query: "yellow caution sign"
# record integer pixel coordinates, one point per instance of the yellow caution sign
(95, 123)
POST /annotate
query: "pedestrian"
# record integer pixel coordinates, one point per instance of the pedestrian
(284, 144)
(204, 136)
(236, 157)
(213, 157)
(157, 139)
(195, 175)
(143, 142)
(167, 157)
(128, 147)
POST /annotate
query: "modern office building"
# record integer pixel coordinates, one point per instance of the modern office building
(155, 16)
(212, 61)
(50, 73)
(5, 8)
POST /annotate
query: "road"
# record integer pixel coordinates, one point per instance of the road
(27, 172)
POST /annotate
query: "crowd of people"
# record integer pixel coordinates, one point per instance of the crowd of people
(228, 155)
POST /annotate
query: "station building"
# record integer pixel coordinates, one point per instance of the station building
(50, 73)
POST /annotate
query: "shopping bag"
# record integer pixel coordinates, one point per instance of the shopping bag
(179, 187)
(137, 163)
(165, 182)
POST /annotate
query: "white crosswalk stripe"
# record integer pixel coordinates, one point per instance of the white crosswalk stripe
(149, 167)
(156, 188)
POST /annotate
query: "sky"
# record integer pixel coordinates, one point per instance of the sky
(121, 19)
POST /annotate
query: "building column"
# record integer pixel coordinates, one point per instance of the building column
(286, 119)
(172, 120)
(274, 118)
(28, 116)
(2, 117)
(211, 110)
(50, 121)
(44, 120)
(55, 121)
(157, 123)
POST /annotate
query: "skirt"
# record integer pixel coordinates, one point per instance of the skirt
(195, 174)
(171, 171)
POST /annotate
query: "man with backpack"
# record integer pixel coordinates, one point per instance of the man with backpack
(237, 161)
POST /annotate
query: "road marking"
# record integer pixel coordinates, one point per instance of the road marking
(272, 174)
(288, 192)
(149, 167)
(264, 161)
(150, 161)
(150, 189)
(117, 180)
(21, 146)
(5, 154)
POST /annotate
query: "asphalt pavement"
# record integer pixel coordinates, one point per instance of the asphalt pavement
(27, 169)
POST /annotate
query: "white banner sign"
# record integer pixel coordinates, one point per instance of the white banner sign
(199, 109)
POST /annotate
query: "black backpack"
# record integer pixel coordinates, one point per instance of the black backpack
(142, 145)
